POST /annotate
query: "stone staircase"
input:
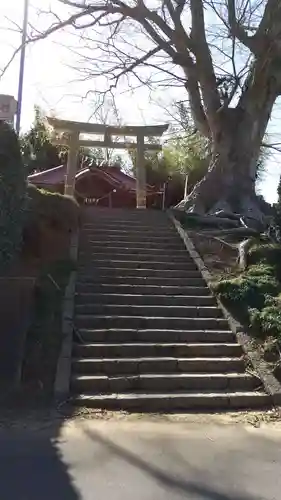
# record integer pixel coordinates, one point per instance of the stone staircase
(149, 334)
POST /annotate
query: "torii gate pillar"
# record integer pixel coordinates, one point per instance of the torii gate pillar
(72, 160)
(140, 174)
(68, 133)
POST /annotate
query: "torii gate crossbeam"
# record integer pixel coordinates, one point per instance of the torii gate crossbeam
(68, 133)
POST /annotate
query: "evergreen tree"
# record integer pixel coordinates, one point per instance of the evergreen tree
(12, 196)
(37, 149)
(278, 210)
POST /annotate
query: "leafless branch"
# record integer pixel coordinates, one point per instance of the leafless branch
(236, 29)
(9, 62)
(217, 41)
(273, 146)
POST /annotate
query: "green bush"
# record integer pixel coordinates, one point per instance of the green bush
(269, 254)
(253, 299)
(249, 289)
(266, 322)
(12, 196)
(258, 270)
(254, 296)
(63, 211)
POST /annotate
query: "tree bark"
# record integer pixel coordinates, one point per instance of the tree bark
(229, 184)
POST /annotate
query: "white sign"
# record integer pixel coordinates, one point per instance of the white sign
(8, 107)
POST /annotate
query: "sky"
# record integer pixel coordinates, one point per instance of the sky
(52, 83)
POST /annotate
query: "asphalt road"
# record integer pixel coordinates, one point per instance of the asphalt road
(141, 461)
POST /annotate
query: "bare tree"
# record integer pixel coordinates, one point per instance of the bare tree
(105, 111)
(225, 53)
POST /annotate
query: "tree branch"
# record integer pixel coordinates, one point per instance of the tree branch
(139, 61)
(270, 14)
(71, 3)
(237, 31)
(142, 12)
(8, 64)
(145, 17)
(198, 113)
(204, 62)
(180, 7)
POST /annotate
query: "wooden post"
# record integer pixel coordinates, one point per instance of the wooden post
(164, 195)
(185, 186)
(71, 170)
(140, 173)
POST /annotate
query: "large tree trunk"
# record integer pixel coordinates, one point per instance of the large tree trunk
(230, 182)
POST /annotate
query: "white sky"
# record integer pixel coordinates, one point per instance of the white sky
(51, 83)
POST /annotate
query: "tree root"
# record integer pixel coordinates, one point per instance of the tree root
(243, 249)
(233, 230)
(224, 214)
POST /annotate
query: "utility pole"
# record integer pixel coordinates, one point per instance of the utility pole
(22, 64)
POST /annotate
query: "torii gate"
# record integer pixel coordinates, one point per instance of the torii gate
(68, 134)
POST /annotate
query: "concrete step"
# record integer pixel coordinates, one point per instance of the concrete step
(151, 350)
(137, 252)
(134, 222)
(138, 272)
(93, 242)
(130, 237)
(144, 256)
(163, 382)
(114, 335)
(144, 299)
(91, 215)
(90, 263)
(150, 336)
(130, 229)
(123, 225)
(97, 212)
(175, 244)
(142, 322)
(145, 290)
(172, 402)
(149, 310)
(130, 366)
(139, 280)
(125, 214)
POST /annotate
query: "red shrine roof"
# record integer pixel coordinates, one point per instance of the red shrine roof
(113, 175)
(52, 176)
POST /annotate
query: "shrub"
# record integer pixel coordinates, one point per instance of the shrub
(60, 210)
(269, 254)
(12, 196)
(267, 321)
(259, 270)
(249, 289)
(51, 218)
(249, 295)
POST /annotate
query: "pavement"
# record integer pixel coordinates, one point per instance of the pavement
(140, 460)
